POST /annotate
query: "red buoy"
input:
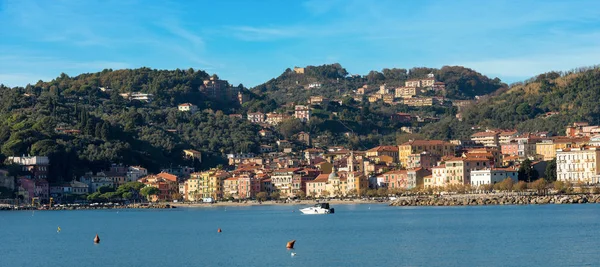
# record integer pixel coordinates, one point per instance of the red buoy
(219, 230)
(290, 245)
(96, 239)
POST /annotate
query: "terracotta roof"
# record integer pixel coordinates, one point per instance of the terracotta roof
(167, 176)
(425, 142)
(384, 148)
(484, 134)
(395, 172)
(320, 179)
(504, 133)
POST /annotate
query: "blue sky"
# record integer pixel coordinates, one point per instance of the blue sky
(250, 42)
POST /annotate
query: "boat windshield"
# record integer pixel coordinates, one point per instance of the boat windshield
(322, 205)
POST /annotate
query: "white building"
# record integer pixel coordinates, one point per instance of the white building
(492, 176)
(302, 113)
(314, 85)
(187, 107)
(136, 172)
(256, 117)
(578, 164)
(30, 160)
(439, 176)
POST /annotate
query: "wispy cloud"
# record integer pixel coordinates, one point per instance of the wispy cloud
(175, 29)
(249, 33)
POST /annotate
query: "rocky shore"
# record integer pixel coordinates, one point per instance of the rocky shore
(92, 207)
(482, 200)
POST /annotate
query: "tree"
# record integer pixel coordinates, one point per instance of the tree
(550, 172)
(301, 194)
(275, 196)
(352, 192)
(504, 185)
(105, 189)
(539, 185)
(382, 192)
(149, 191)
(560, 187)
(261, 196)
(324, 193)
(526, 171)
(521, 186)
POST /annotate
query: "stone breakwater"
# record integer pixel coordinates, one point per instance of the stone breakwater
(91, 207)
(482, 200)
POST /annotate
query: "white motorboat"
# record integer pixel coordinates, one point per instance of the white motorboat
(319, 208)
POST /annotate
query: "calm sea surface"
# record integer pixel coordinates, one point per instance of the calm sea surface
(356, 235)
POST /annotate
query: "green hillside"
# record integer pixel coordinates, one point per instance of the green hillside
(547, 102)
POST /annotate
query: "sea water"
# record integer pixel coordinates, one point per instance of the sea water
(356, 235)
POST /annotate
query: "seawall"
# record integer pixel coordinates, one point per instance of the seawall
(482, 200)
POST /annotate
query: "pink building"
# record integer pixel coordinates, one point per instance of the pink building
(42, 190)
(511, 148)
(248, 186)
(395, 179)
(26, 189)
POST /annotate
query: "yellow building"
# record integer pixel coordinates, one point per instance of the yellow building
(357, 182)
(405, 92)
(546, 150)
(210, 183)
(192, 190)
(435, 147)
(458, 170)
(390, 151)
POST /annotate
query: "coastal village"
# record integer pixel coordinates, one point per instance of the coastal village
(279, 172)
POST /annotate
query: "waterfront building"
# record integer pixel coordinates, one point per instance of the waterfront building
(578, 165)
(492, 176)
(415, 177)
(439, 176)
(458, 170)
(210, 183)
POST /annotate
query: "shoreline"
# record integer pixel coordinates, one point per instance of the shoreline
(275, 203)
(495, 200)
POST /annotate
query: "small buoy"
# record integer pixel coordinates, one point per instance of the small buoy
(219, 230)
(290, 244)
(96, 239)
(293, 254)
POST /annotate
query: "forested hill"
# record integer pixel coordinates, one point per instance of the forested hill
(82, 128)
(292, 86)
(547, 102)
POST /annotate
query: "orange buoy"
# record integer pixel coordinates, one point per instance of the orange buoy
(290, 245)
(96, 239)
(219, 230)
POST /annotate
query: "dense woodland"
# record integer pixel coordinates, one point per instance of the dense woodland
(116, 130)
